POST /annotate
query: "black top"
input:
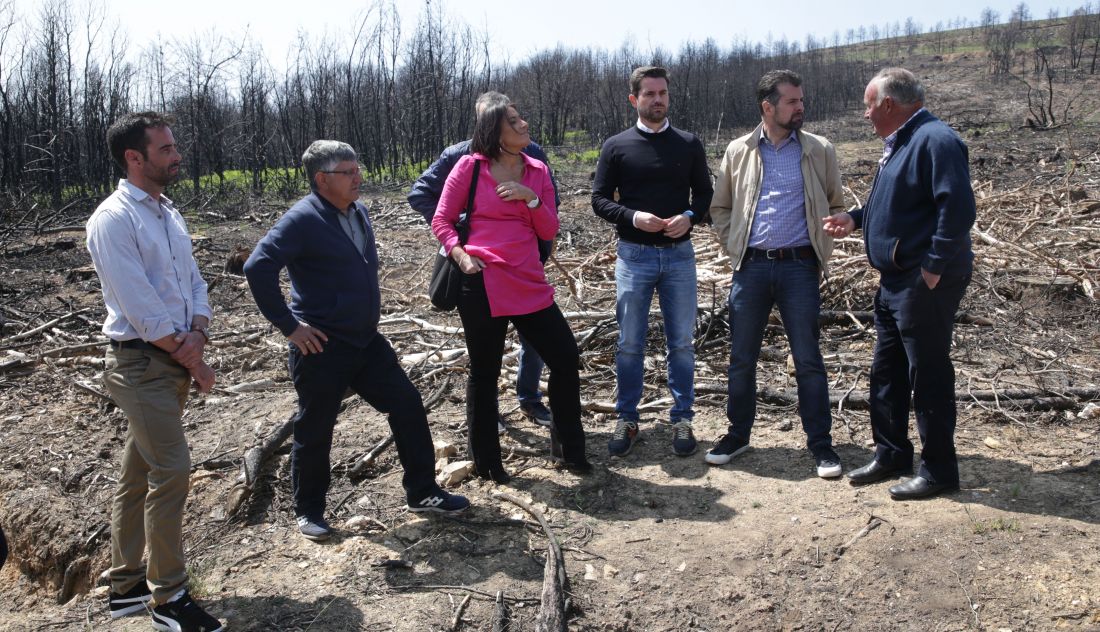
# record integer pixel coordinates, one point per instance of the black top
(664, 174)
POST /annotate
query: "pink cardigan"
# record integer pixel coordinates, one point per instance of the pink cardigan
(502, 234)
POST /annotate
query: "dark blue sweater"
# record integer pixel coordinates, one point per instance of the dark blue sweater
(921, 206)
(333, 287)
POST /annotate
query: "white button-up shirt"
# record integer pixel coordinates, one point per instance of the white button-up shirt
(142, 253)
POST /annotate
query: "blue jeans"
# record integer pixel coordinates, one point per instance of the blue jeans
(670, 270)
(792, 285)
(527, 377)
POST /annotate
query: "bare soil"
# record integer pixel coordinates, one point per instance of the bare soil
(652, 542)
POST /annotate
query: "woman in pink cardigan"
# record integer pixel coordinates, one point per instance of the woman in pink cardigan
(504, 282)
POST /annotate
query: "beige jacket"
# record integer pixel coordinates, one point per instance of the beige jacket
(738, 190)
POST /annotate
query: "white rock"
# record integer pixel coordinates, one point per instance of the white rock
(455, 473)
(444, 449)
(358, 523)
(590, 573)
(1090, 411)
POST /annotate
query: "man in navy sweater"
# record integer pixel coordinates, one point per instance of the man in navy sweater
(916, 228)
(326, 243)
(424, 197)
(664, 189)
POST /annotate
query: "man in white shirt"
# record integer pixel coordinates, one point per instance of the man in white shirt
(157, 318)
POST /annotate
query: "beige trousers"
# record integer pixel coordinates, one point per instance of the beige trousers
(147, 508)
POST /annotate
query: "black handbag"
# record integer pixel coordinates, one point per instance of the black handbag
(446, 281)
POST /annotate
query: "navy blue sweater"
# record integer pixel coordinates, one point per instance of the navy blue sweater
(921, 206)
(333, 286)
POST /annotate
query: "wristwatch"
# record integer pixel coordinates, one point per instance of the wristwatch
(533, 204)
(205, 331)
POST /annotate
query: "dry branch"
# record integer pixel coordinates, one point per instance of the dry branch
(551, 617)
(254, 461)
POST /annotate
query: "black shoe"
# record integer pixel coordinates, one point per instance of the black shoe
(920, 487)
(874, 472)
(131, 601)
(828, 463)
(557, 455)
(538, 412)
(497, 474)
(184, 615)
(315, 529)
(725, 449)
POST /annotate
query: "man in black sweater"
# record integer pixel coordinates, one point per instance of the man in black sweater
(664, 189)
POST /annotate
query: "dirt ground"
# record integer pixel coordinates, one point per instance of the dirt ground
(652, 542)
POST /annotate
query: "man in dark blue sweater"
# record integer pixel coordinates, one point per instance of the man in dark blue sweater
(916, 228)
(424, 197)
(326, 243)
(664, 189)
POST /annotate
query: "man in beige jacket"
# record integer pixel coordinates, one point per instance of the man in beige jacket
(774, 187)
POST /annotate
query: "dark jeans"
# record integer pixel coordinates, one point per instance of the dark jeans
(791, 285)
(548, 333)
(321, 380)
(912, 364)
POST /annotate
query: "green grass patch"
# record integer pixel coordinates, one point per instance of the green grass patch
(982, 527)
(587, 157)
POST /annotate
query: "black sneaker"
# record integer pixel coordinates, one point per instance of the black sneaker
(828, 463)
(315, 529)
(725, 449)
(538, 412)
(131, 601)
(184, 615)
(683, 439)
(439, 501)
(623, 439)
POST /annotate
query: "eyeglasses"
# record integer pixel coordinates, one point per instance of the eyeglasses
(351, 173)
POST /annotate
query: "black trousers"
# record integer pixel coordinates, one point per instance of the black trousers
(550, 336)
(912, 365)
(321, 380)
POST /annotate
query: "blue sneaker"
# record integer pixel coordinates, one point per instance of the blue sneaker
(439, 501)
(315, 529)
(683, 439)
(623, 439)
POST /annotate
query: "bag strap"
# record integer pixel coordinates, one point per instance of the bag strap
(473, 190)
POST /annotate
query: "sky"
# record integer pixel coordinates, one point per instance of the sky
(518, 29)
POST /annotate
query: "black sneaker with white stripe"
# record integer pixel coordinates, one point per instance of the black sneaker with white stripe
(438, 501)
(130, 602)
(184, 615)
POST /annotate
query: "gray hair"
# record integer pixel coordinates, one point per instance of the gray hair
(322, 155)
(900, 85)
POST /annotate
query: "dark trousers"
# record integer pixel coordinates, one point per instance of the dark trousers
(550, 336)
(321, 380)
(912, 365)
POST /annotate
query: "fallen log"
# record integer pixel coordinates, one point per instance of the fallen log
(253, 462)
(830, 317)
(1027, 399)
(551, 617)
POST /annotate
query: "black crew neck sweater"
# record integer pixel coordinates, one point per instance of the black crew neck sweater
(664, 174)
